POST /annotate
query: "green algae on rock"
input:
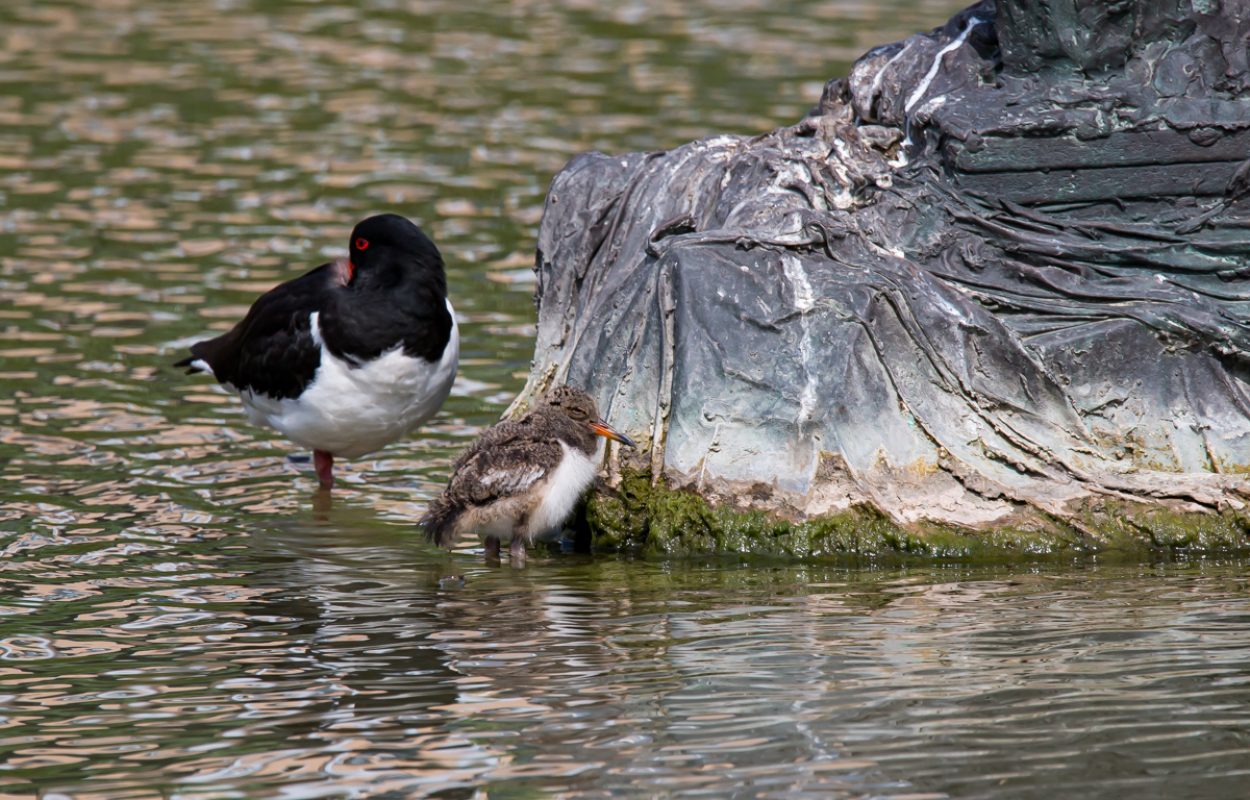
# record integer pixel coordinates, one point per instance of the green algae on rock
(657, 519)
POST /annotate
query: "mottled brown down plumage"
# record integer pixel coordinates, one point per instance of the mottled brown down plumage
(521, 479)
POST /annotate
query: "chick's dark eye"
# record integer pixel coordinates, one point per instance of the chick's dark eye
(362, 243)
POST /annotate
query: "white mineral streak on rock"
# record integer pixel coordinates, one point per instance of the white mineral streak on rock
(842, 199)
(924, 84)
(876, 81)
(804, 301)
(957, 43)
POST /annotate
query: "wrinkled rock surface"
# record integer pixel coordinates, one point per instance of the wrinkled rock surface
(1000, 273)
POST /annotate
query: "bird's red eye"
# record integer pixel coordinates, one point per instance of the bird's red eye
(362, 243)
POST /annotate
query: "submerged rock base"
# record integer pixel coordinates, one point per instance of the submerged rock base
(995, 288)
(640, 516)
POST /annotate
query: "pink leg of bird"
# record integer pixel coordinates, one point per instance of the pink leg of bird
(324, 462)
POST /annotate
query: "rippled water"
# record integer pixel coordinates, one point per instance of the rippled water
(182, 616)
(329, 662)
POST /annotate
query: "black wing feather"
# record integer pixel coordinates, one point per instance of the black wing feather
(271, 350)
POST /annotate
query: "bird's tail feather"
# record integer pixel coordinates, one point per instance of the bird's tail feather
(191, 367)
(439, 522)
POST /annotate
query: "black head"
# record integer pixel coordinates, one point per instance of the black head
(580, 409)
(388, 250)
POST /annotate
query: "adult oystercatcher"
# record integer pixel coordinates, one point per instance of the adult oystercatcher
(521, 480)
(350, 356)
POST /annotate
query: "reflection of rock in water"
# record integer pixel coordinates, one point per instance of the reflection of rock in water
(998, 274)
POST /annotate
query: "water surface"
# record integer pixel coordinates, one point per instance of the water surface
(322, 661)
(181, 615)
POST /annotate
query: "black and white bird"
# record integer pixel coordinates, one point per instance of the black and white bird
(350, 356)
(521, 480)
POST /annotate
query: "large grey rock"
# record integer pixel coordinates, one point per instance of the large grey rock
(1001, 270)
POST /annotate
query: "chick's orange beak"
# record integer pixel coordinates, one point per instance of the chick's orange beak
(605, 430)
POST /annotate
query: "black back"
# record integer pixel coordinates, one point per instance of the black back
(396, 293)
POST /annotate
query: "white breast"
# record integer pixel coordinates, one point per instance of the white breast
(561, 492)
(350, 411)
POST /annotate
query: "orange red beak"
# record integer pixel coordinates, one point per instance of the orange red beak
(605, 430)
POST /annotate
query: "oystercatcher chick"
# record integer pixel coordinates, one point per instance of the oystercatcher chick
(520, 481)
(350, 356)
